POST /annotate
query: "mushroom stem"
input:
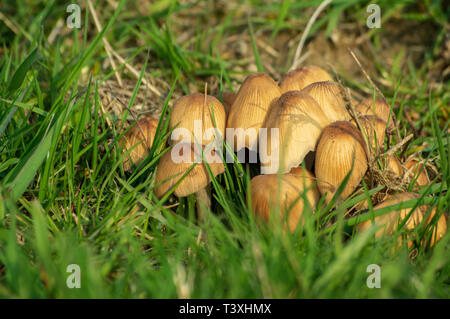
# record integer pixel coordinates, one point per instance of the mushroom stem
(203, 203)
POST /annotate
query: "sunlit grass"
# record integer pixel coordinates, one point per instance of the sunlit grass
(65, 198)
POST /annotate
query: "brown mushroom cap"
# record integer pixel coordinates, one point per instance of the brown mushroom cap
(378, 108)
(328, 96)
(299, 120)
(300, 78)
(142, 133)
(265, 190)
(439, 229)
(250, 107)
(170, 170)
(339, 143)
(391, 220)
(374, 128)
(228, 100)
(198, 107)
(416, 171)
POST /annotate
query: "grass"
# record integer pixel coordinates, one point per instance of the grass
(65, 198)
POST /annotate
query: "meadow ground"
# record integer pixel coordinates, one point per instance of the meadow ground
(67, 93)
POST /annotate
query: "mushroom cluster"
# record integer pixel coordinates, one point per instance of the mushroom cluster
(309, 136)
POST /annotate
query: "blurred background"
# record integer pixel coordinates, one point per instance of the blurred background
(220, 42)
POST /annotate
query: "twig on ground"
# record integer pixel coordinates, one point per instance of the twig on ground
(110, 50)
(105, 41)
(311, 21)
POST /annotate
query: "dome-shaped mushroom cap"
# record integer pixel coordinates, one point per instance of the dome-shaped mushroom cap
(374, 128)
(249, 109)
(266, 188)
(377, 108)
(228, 100)
(300, 78)
(176, 162)
(414, 170)
(328, 96)
(391, 220)
(339, 144)
(142, 133)
(299, 120)
(198, 107)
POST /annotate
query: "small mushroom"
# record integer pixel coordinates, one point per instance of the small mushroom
(378, 108)
(300, 78)
(187, 159)
(391, 220)
(228, 100)
(198, 113)
(249, 109)
(374, 129)
(340, 145)
(139, 139)
(298, 121)
(328, 96)
(271, 193)
(414, 170)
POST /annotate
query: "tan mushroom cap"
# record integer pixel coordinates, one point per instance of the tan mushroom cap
(290, 186)
(339, 143)
(299, 120)
(374, 128)
(249, 109)
(391, 220)
(176, 162)
(328, 96)
(414, 170)
(377, 108)
(300, 78)
(439, 229)
(139, 138)
(198, 107)
(228, 100)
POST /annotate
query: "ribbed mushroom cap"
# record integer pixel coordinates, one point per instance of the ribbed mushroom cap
(249, 109)
(176, 162)
(299, 120)
(391, 220)
(272, 193)
(198, 107)
(143, 134)
(328, 96)
(374, 128)
(228, 99)
(416, 171)
(378, 108)
(300, 78)
(339, 144)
